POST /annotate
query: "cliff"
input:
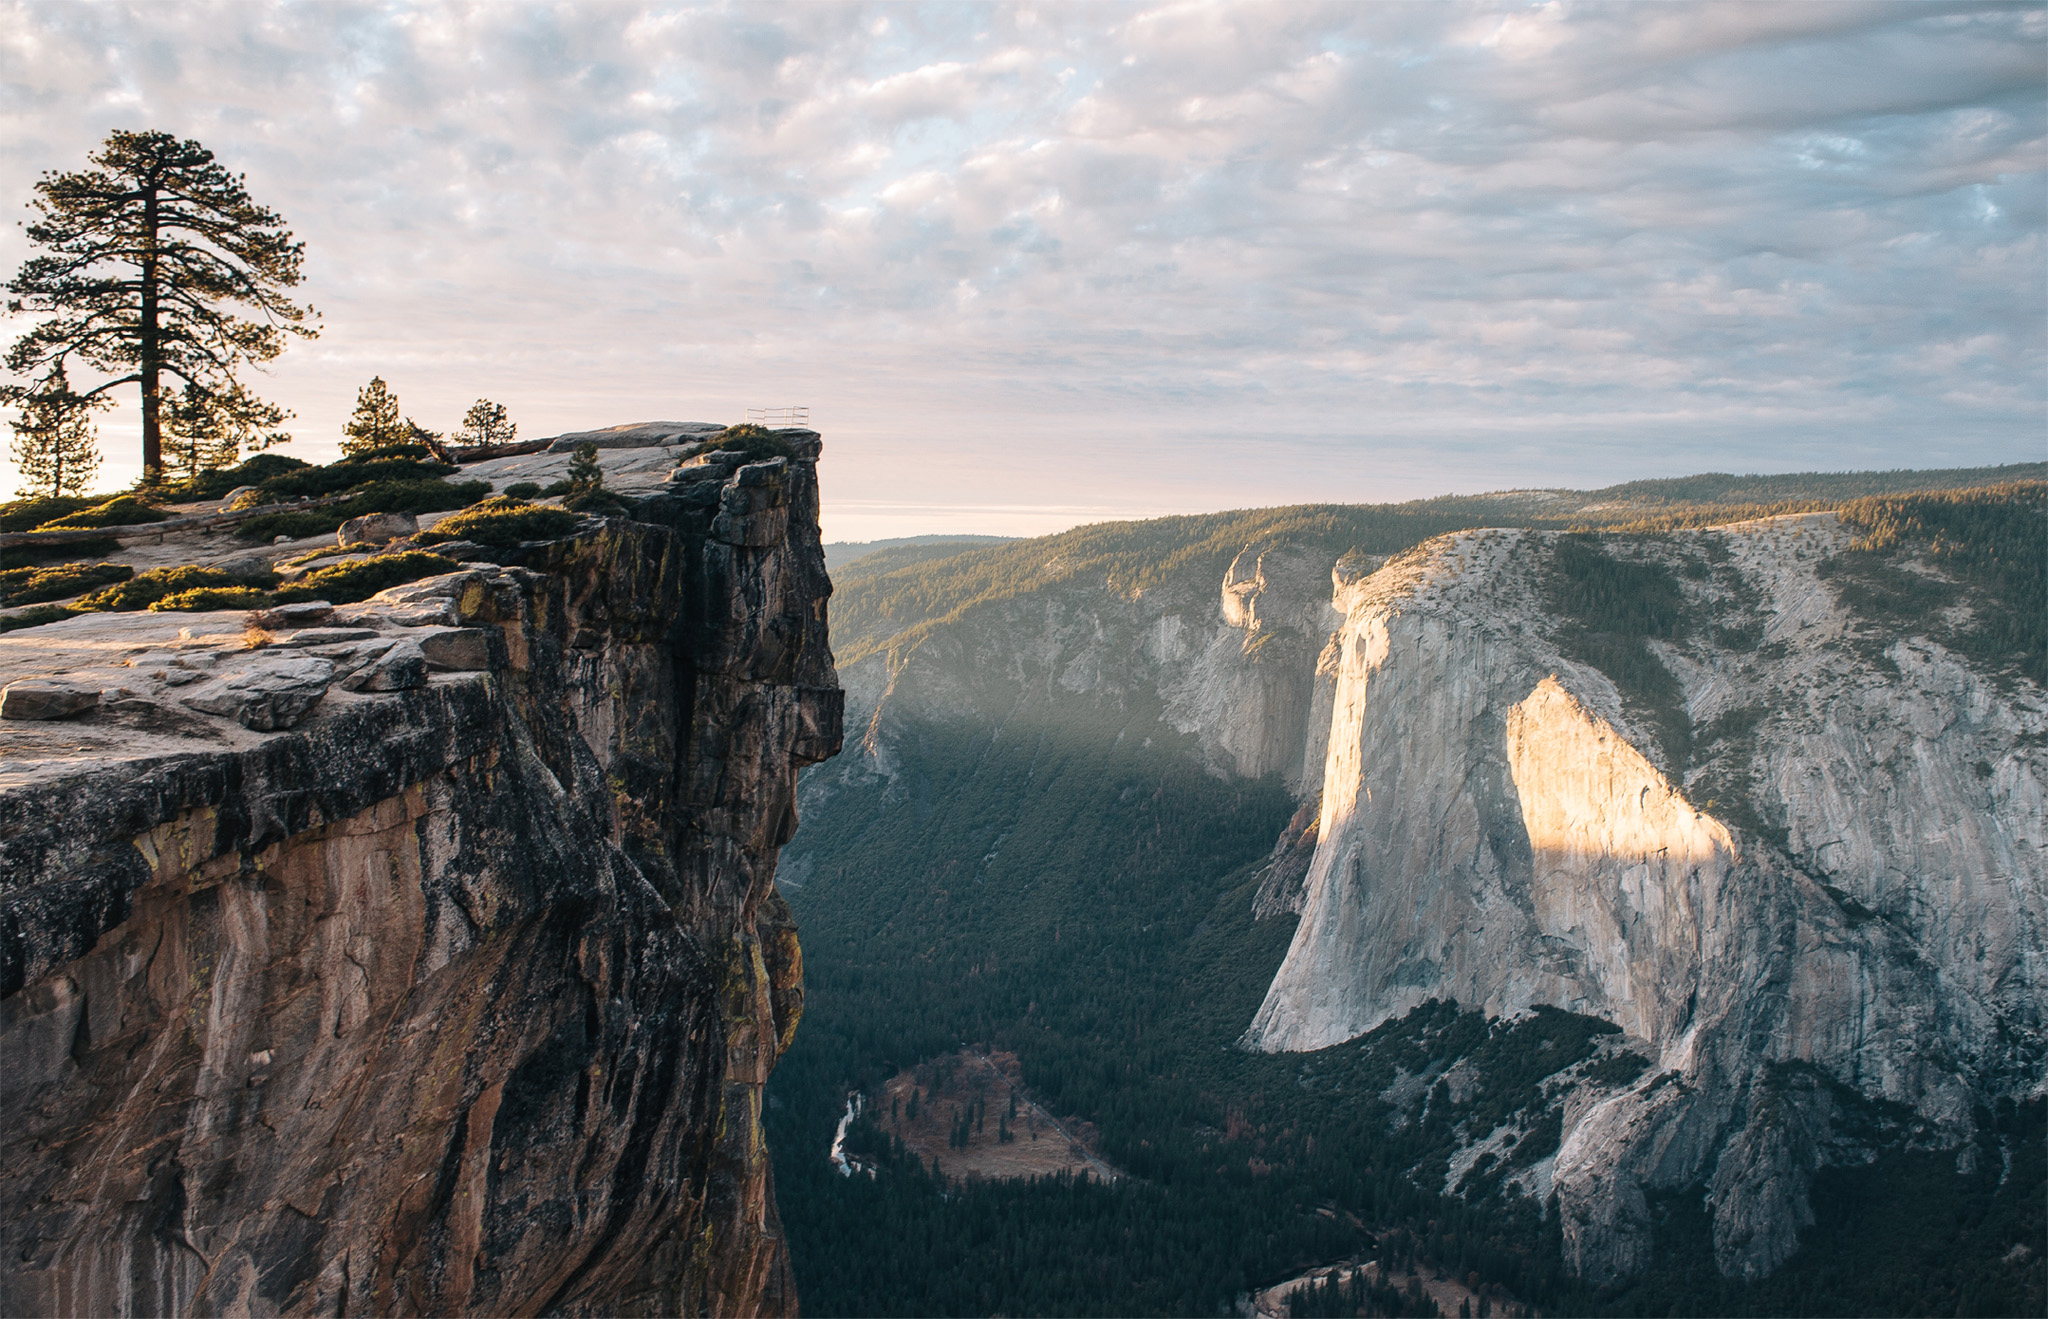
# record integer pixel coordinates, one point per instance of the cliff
(1841, 904)
(424, 957)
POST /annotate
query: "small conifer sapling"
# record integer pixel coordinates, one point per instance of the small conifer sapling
(585, 475)
(375, 423)
(487, 427)
(56, 448)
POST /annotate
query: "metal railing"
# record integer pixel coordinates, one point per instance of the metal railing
(780, 418)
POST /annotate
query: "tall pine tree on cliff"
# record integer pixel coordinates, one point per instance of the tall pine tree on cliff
(150, 263)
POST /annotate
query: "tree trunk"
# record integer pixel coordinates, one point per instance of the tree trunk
(152, 351)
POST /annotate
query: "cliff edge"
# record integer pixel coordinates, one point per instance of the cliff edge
(424, 955)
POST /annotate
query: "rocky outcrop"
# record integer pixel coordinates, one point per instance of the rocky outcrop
(1844, 900)
(376, 528)
(452, 993)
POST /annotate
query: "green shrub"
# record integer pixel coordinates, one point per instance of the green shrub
(312, 522)
(23, 556)
(254, 470)
(523, 489)
(415, 497)
(595, 499)
(120, 511)
(34, 617)
(27, 514)
(145, 589)
(213, 597)
(557, 488)
(27, 586)
(346, 583)
(405, 462)
(758, 443)
(502, 521)
(388, 480)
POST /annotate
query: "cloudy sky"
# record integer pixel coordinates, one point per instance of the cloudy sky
(1031, 265)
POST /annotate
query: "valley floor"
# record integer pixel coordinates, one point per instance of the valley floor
(1004, 1134)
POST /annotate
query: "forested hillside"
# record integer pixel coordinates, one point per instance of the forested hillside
(895, 595)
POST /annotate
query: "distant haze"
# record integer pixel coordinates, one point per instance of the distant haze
(1038, 265)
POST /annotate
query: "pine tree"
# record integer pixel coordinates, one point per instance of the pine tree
(375, 423)
(56, 448)
(144, 257)
(584, 472)
(205, 430)
(486, 426)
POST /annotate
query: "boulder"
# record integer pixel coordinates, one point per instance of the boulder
(273, 694)
(304, 613)
(246, 565)
(242, 496)
(401, 668)
(376, 528)
(461, 649)
(40, 698)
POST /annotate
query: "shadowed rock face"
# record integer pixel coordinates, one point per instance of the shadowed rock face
(453, 999)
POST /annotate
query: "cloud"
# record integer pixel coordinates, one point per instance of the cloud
(1558, 244)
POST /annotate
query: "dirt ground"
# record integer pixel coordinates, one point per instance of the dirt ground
(983, 1088)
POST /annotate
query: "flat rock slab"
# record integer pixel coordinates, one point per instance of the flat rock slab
(327, 636)
(636, 435)
(34, 698)
(270, 695)
(626, 471)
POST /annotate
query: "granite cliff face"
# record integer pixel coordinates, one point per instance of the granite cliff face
(1501, 828)
(454, 993)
